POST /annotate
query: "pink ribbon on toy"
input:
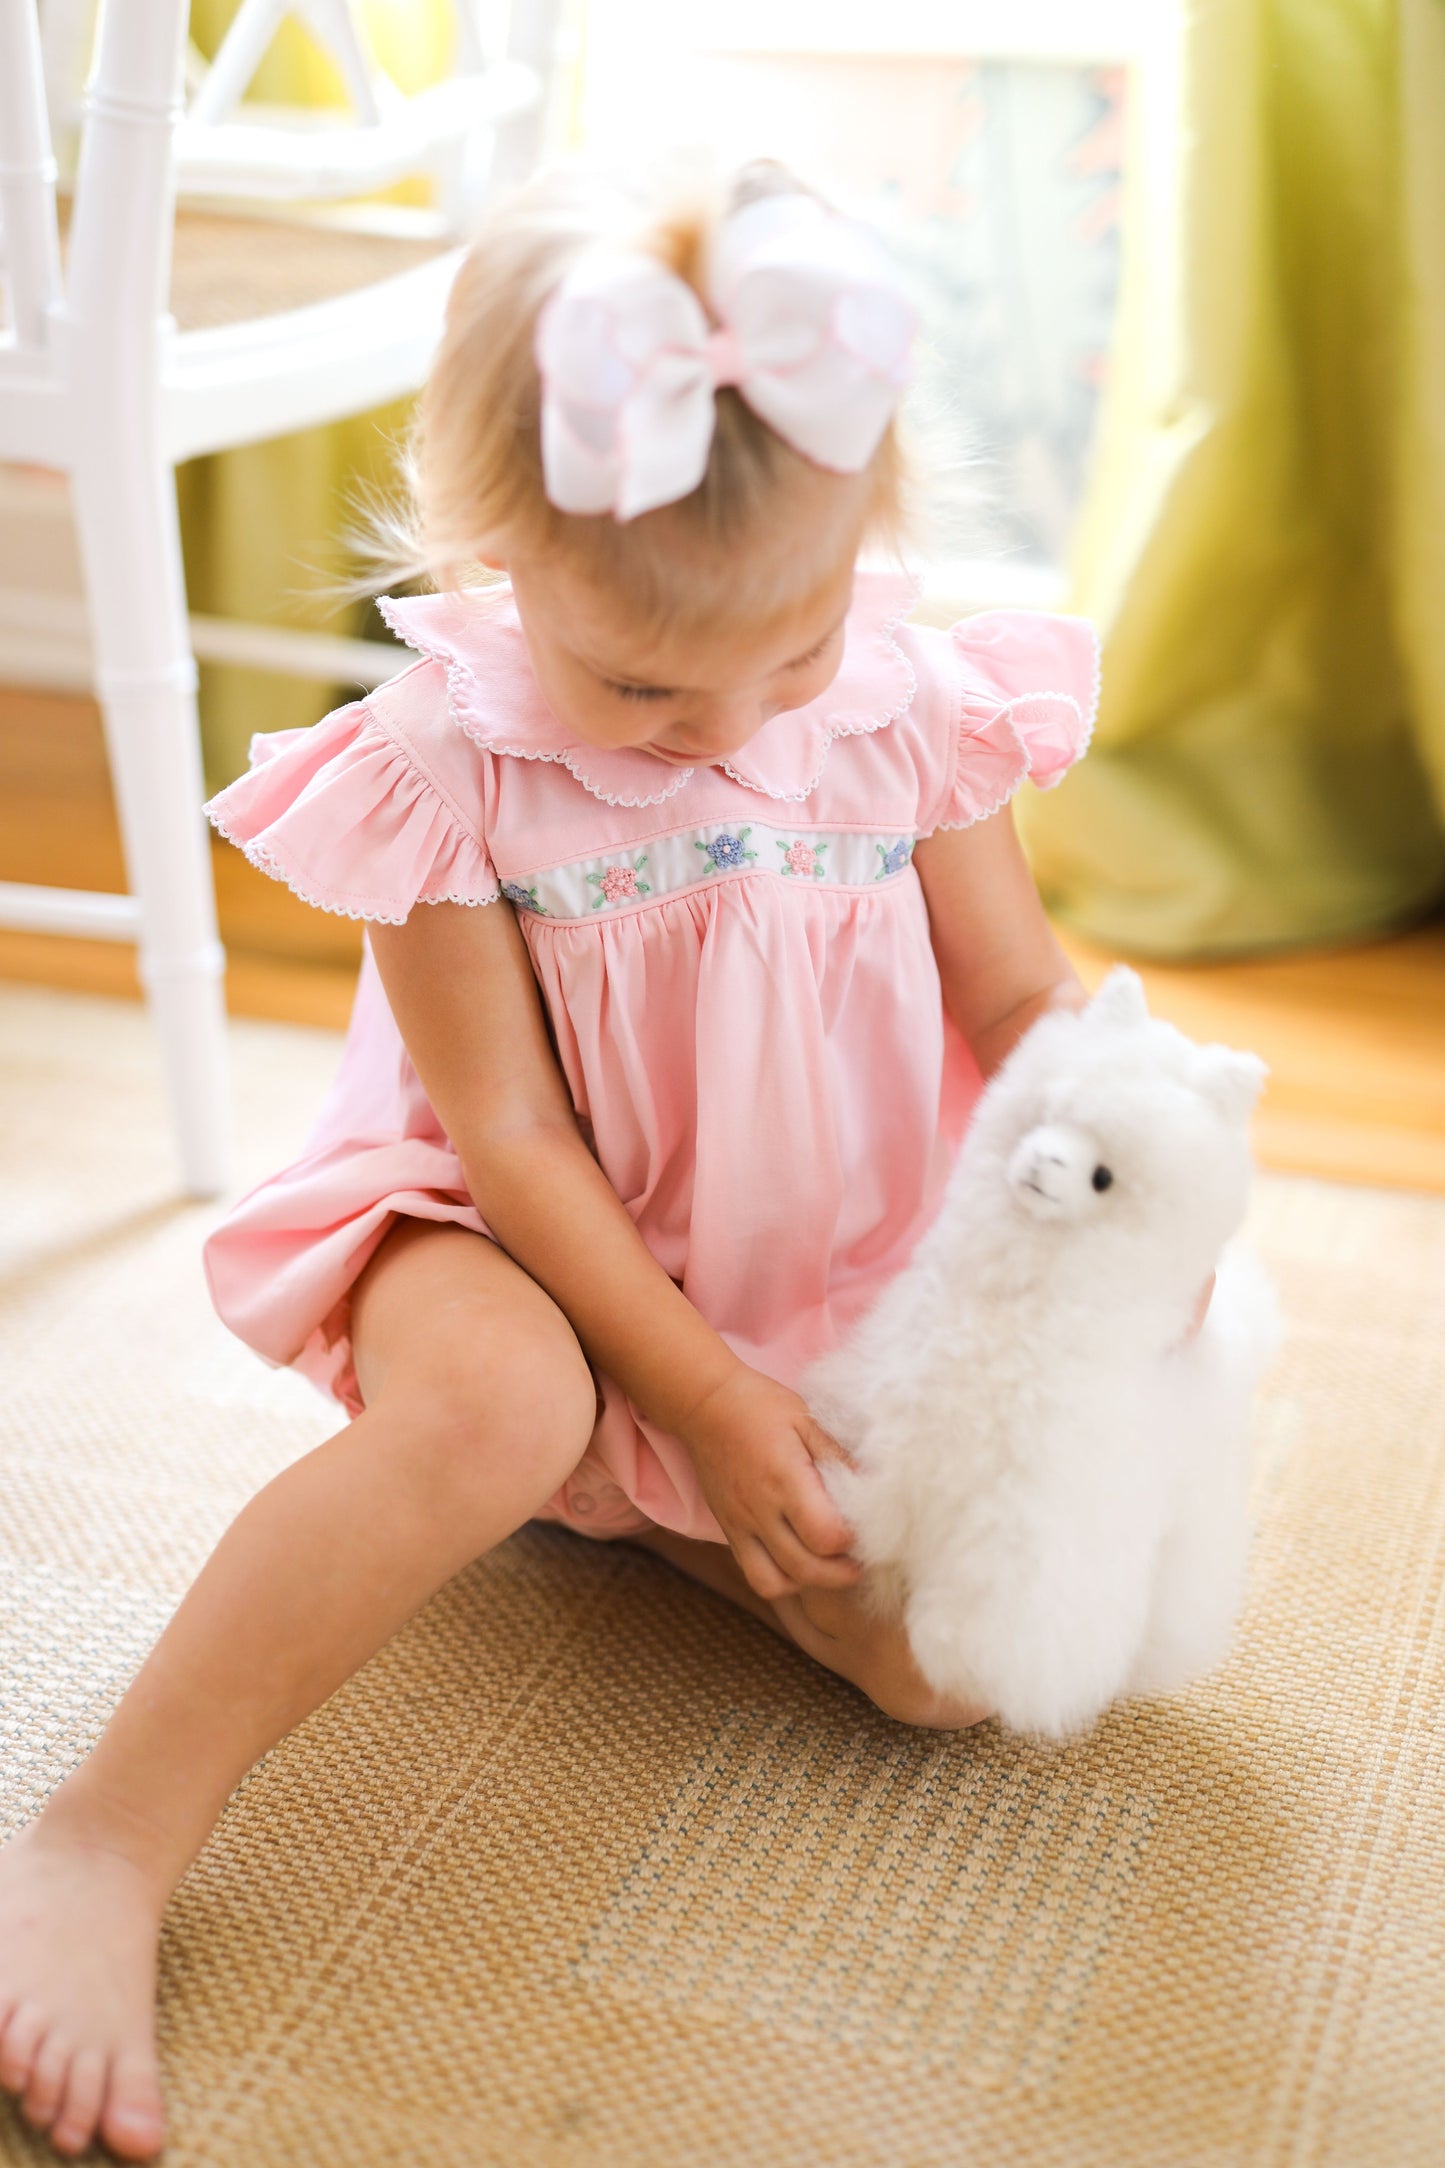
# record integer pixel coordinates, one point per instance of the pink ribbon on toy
(811, 326)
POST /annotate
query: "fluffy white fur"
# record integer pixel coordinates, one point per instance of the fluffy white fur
(1048, 1476)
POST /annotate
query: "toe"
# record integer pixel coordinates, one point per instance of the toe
(74, 2126)
(17, 2052)
(133, 2121)
(48, 2074)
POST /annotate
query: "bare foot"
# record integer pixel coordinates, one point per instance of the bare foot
(78, 1932)
(841, 1629)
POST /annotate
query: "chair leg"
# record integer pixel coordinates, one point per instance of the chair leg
(146, 681)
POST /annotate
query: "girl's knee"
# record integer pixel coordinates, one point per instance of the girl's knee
(511, 1383)
(450, 1332)
(483, 1404)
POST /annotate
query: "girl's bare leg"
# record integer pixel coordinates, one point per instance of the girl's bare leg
(834, 1625)
(479, 1403)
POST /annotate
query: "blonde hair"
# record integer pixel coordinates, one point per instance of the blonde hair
(474, 463)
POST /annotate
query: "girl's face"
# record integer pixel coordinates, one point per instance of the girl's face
(690, 698)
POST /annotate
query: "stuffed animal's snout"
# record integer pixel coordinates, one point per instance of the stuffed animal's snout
(1056, 1172)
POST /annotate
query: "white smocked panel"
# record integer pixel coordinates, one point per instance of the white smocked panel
(699, 857)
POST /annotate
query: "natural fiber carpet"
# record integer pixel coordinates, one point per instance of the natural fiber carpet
(587, 1868)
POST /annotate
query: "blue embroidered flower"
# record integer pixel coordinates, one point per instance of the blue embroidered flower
(525, 899)
(894, 860)
(726, 851)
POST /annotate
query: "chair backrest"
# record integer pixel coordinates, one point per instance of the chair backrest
(335, 24)
(119, 254)
(118, 267)
(27, 180)
(81, 345)
(222, 150)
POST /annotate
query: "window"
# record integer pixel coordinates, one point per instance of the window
(988, 143)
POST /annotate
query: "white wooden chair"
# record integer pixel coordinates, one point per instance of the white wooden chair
(102, 376)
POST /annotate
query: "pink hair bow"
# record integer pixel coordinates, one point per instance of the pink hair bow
(811, 326)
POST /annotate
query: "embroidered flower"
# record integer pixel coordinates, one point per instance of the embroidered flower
(894, 860)
(525, 899)
(804, 859)
(727, 851)
(619, 883)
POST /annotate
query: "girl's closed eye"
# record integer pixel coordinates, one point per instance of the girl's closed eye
(626, 691)
(639, 692)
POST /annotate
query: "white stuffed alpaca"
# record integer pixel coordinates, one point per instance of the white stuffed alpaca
(1048, 1474)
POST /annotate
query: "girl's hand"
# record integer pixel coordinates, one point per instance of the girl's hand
(755, 1448)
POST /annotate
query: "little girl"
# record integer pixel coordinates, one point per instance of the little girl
(724, 921)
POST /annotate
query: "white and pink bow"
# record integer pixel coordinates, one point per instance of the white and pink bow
(811, 326)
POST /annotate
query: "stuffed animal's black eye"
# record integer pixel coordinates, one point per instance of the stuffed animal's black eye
(1103, 1178)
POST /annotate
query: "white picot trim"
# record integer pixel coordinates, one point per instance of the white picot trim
(1088, 717)
(1096, 687)
(257, 855)
(865, 726)
(461, 690)
(577, 759)
(585, 889)
(1011, 790)
(1003, 714)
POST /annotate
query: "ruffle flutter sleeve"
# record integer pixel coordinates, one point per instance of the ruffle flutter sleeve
(344, 816)
(1026, 691)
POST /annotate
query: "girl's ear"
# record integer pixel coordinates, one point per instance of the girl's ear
(1120, 1000)
(1230, 1081)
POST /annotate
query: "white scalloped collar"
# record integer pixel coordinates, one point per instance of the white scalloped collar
(495, 698)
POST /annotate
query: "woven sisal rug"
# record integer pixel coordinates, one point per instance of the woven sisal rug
(587, 1868)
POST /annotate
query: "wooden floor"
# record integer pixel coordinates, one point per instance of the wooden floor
(1355, 1037)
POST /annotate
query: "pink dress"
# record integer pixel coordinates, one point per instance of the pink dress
(736, 962)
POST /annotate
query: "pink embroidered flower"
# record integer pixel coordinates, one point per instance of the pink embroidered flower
(804, 859)
(618, 884)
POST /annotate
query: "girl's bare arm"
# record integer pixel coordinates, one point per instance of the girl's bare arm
(462, 990)
(997, 956)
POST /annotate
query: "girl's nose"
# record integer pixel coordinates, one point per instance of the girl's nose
(714, 732)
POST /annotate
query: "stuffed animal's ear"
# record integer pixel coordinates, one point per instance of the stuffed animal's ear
(1120, 1000)
(1230, 1081)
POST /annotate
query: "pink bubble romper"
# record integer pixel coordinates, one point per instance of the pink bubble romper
(735, 960)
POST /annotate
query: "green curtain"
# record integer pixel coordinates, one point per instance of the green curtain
(262, 526)
(1264, 543)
